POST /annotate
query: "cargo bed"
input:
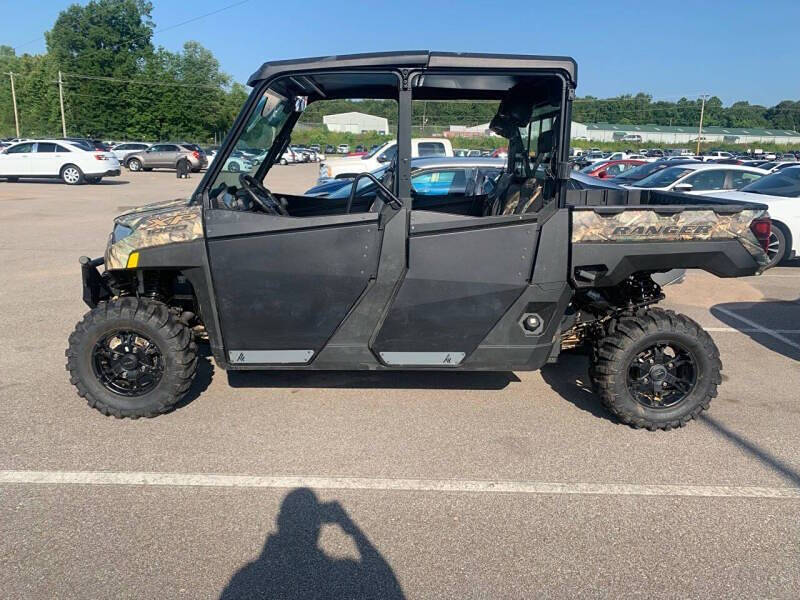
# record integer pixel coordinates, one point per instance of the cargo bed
(616, 233)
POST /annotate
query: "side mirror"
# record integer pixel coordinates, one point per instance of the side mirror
(683, 187)
(603, 175)
(382, 158)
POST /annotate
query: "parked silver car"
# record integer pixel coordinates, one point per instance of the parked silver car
(124, 150)
(166, 156)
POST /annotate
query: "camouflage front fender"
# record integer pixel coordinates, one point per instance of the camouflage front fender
(154, 228)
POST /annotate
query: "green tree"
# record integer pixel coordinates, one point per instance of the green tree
(104, 38)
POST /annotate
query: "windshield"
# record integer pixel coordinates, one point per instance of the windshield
(375, 150)
(592, 167)
(257, 137)
(643, 171)
(783, 183)
(363, 185)
(663, 178)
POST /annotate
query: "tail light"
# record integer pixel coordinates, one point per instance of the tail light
(196, 154)
(762, 228)
(100, 156)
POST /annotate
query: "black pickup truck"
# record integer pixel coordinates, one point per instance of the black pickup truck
(502, 275)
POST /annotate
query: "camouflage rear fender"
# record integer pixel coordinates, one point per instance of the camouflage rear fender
(178, 225)
(647, 225)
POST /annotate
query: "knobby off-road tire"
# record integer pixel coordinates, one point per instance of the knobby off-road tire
(623, 365)
(152, 325)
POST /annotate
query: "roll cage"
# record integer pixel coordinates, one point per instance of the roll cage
(542, 82)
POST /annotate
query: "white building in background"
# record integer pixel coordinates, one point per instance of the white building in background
(683, 134)
(356, 122)
(655, 134)
(464, 131)
(578, 131)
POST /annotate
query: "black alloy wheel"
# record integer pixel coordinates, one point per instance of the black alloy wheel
(662, 375)
(127, 363)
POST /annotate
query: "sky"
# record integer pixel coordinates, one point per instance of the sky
(734, 49)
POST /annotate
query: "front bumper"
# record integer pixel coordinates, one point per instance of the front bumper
(95, 289)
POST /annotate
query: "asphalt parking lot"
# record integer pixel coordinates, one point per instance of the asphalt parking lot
(486, 485)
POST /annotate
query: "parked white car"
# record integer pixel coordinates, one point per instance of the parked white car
(715, 155)
(778, 165)
(342, 149)
(70, 162)
(781, 192)
(287, 158)
(420, 148)
(700, 179)
(121, 151)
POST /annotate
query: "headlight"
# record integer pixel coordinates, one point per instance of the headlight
(120, 232)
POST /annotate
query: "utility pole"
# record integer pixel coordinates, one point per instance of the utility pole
(700, 128)
(61, 101)
(14, 100)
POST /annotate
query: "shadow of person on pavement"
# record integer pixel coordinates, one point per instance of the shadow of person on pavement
(292, 565)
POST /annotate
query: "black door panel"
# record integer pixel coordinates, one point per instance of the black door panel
(289, 290)
(458, 285)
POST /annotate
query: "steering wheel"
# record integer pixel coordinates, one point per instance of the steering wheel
(264, 199)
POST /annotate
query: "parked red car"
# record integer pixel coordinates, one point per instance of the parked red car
(611, 168)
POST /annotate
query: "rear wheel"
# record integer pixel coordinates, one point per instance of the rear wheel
(135, 164)
(71, 175)
(233, 167)
(131, 358)
(656, 369)
(776, 247)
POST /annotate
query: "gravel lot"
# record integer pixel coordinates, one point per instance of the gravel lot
(426, 485)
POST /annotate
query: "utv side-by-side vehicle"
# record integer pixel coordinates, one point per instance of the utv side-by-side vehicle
(502, 277)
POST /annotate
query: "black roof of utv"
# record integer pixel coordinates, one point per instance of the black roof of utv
(420, 59)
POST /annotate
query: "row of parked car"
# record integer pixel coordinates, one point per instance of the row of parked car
(71, 159)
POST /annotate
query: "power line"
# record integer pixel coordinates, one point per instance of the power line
(157, 31)
(143, 81)
(36, 39)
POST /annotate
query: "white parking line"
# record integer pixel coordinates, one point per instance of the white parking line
(759, 328)
(99, 478)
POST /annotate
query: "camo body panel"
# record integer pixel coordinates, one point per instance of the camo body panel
(166, 223)
(649, 226)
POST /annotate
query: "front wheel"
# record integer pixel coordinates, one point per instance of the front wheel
(71, 175)
(656, 369)
(131, 358)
